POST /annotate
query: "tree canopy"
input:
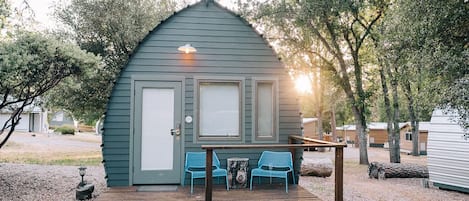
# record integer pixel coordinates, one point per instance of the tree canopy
(112, 30)
(31, 65)
(428, 41)
(333, 33)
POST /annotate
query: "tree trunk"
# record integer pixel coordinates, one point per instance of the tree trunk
(316, 167)
(387, 105)
(413, 119)
(396, 170)
(362, 138)
(360, 109)
(319, 93)
(333, 124)
(11, 124)
(396, 149)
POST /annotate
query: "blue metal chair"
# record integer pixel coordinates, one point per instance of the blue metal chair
(195, 166)
(274, 164)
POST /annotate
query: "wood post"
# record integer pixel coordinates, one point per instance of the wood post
(293, 152)
(339, 173)
(208, 175)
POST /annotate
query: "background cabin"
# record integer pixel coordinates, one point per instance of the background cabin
(33, 119)
(448, 148)
(406, 137)
(227, 86)
(310, 128)
(61, 118)
(377, 135)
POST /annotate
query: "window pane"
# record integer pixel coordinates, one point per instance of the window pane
(265, 110)
(219, 109)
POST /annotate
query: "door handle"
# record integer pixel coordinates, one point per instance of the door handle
(176, 131)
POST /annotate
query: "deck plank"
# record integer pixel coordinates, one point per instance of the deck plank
(271, 192)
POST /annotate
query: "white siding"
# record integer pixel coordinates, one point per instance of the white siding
(22, 126)
(448, 152)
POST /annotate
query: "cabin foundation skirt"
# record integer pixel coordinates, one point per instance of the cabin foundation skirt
(237, 172)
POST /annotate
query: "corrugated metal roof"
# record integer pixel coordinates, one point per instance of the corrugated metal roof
(308, 120)
(371, 126)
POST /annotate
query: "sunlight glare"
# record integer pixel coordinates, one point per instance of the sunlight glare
(303, 84)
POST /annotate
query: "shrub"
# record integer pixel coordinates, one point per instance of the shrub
(65, 130)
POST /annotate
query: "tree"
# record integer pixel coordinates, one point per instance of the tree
(30, 66)
(429, 58)
(4, 13)
(388, 72)
(112, 30)
(341, 28)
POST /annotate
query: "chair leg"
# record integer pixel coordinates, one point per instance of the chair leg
(286, 183)
(183, 179)
(293, 176)
(250, 185)
(192, 185)
(227, 188)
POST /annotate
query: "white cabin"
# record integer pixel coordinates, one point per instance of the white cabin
(448, 153)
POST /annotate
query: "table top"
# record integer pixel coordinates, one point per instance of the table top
(237, 159)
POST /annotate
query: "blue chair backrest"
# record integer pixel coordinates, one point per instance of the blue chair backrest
(197, 160)
(275, 159)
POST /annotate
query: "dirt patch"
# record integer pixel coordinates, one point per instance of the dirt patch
(37, 148)
(357, 185)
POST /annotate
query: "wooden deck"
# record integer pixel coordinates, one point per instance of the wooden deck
(271, 192)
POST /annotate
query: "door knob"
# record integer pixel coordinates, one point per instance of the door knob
(176, 131)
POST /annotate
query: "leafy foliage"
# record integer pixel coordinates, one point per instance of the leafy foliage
(65, 130)
(4, 12)
(331, 34)
(31, 65)
(111, 29)
(431, 55)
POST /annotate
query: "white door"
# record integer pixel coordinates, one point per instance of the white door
(157, 140)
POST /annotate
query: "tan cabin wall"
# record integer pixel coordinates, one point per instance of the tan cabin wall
(310, 129)
(378, 136)
(347, 135)
(407, 144)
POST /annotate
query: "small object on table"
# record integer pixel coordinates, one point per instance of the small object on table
(237, 172)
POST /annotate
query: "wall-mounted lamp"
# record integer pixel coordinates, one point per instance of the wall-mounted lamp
(187, 48)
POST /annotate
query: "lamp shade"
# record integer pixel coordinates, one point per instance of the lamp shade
(187, 48)
(82, 171)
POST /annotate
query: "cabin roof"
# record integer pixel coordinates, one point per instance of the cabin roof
(371, 126)
(309, 120)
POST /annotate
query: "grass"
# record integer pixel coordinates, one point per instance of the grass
(12, 145)
(72, 158)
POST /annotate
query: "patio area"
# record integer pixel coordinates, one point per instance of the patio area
(175, 193)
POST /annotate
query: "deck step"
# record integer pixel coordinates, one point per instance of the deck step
(157, 188)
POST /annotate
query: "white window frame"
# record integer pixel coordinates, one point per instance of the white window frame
(274, 138)
(408, 136)
(198, 138)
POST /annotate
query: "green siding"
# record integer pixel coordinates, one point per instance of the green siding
(226, 46)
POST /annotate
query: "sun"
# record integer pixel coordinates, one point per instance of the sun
(303, 84)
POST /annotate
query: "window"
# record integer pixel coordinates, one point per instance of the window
(219, 109)
(408, 136)
(265, 110)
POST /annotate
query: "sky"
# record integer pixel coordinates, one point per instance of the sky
(43, 10)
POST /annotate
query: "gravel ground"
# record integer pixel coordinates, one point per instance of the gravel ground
(26, 182)
(358, 187)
